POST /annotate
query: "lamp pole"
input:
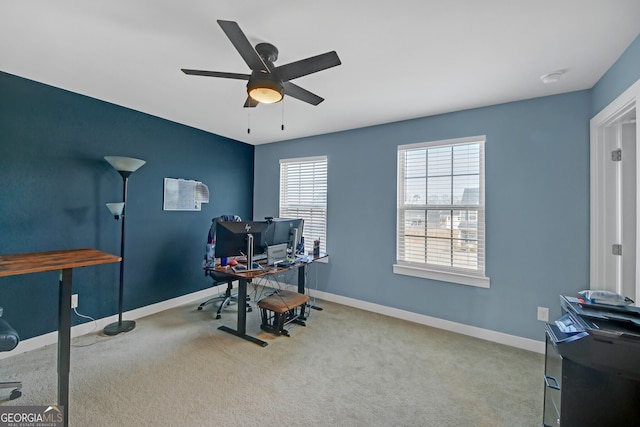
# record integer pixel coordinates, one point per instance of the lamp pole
(125, 167)
(126, 325)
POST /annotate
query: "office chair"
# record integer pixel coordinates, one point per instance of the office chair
(220, 278)
(9, 339)
(227, 297)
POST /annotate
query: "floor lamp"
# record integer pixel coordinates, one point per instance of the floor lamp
(125, 167)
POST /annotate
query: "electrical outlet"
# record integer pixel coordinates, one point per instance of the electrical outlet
(74, 300)
(543, 314)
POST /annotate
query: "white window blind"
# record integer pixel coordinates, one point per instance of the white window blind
(303, 194)
(440, 218)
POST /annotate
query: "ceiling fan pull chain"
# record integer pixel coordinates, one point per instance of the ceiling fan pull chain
(248, 120)
(282, 126)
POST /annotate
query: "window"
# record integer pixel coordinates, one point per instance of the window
(440, 219)
(303, 194)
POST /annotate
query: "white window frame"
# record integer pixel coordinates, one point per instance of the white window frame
(306, 197)
(465, 276)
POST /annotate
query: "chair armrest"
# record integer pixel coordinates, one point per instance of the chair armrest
(9, 338)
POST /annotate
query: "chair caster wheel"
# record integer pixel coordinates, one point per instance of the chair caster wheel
(218, 316)
(15, 394)
(199, 308)
(249, 309)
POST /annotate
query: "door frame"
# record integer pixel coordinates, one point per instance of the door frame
(599, 155)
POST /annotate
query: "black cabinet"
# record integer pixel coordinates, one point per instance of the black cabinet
(592, 373)
(553, 385)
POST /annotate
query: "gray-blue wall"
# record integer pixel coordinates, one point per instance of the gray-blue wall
(537, 210)
(537, 206)
(55, 183)
(624, 73)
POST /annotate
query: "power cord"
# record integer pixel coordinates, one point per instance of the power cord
(95, 326)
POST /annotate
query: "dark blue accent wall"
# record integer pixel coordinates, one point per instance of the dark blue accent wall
(55, 184)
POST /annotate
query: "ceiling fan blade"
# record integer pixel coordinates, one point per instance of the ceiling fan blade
(216, 74)
(242, 45)
(310, 65)
(250, 102)
(297, 92)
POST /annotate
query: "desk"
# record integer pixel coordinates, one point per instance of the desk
(245, 277)
(65, 261)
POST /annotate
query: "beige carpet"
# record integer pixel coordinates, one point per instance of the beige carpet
(347, 367)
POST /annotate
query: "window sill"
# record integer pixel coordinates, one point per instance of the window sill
(424, 273)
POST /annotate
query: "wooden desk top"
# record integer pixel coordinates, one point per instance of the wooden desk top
(253, 274)
(36, 262)
(268, 270)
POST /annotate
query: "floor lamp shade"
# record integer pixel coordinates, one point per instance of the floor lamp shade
(116, 209)
(125, 167)
(126, 164)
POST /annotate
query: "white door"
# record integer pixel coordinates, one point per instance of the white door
(614, 195)
(620, 205)
(627, 285)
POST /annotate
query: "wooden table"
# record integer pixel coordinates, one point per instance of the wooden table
(65, 261)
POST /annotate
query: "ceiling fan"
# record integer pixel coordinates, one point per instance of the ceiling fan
(267, 83)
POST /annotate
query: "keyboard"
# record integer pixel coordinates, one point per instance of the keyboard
(284, 264)
(260, 257)
(240, 268)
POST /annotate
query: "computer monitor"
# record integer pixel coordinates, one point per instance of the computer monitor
(285, 230)
(232, 239)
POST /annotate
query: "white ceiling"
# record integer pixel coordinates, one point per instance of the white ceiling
(401, 59)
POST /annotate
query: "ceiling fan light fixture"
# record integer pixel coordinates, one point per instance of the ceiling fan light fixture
(265, 91)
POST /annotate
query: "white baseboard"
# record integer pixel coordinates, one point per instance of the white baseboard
(447, 325)
(88, 327)
(472, 331)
